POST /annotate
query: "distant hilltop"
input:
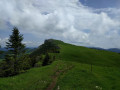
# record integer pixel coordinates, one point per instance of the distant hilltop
(117, 50)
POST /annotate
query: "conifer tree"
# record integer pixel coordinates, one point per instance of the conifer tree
(15, 45)
(46, 60)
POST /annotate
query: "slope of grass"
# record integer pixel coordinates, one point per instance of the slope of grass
(89, 56)
(104, 75)
(81, 78)
(36, 78)
(33, 79)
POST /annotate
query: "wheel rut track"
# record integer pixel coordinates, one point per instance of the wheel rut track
(55, 77)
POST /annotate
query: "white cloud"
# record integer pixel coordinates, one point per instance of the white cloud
(3, 41)
(27, 43)
(63, 19)
(31, 43)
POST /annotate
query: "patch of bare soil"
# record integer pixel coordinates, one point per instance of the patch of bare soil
(55, 77)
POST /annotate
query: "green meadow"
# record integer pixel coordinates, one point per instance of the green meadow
(75, 68)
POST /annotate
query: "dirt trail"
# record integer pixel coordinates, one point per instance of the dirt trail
(55, 77)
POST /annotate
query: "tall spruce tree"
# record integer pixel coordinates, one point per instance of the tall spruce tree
(15, 45)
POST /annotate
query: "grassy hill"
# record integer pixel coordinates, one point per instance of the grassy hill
(75, 68)
(89, 56)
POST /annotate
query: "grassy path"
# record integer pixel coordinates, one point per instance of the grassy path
(56, 75)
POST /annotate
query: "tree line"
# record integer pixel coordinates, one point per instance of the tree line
(18, 61)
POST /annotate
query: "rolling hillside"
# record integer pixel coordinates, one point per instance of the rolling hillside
(75, 68)
(89, 56)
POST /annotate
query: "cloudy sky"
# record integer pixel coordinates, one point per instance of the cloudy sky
(81, 22)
